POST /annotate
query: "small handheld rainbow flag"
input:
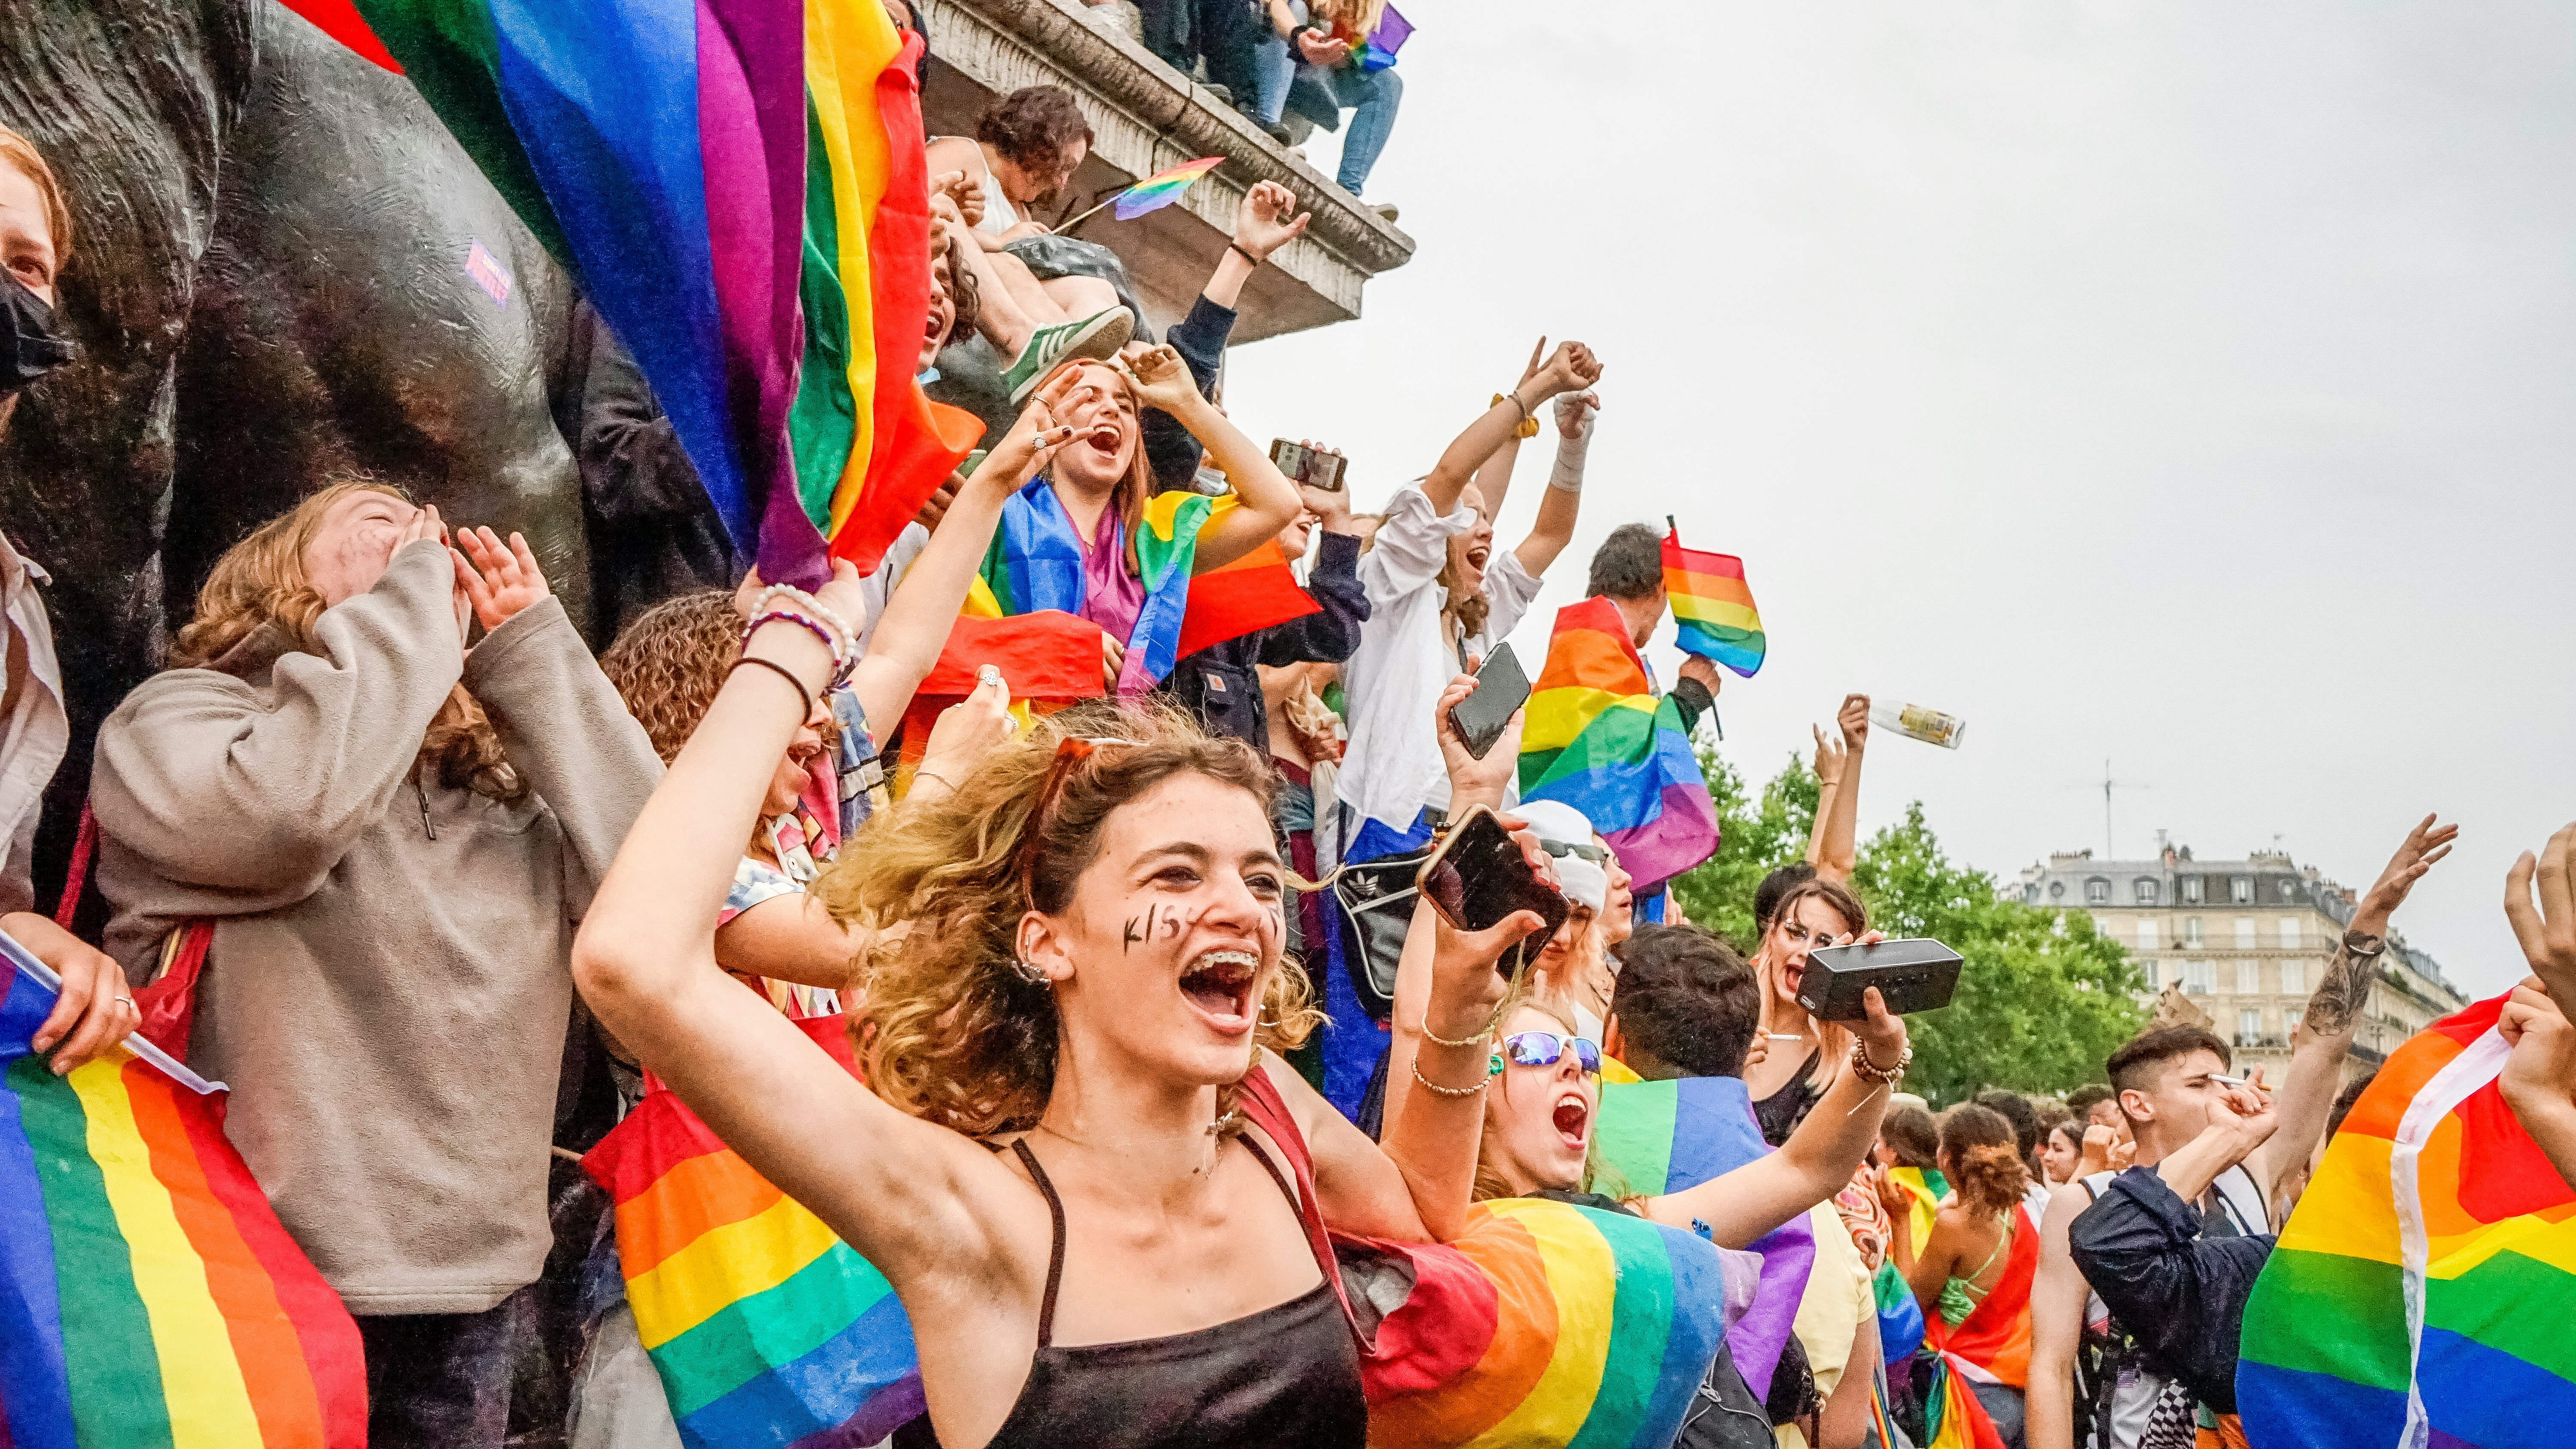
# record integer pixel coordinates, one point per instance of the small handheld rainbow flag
(1662, 1137)
(1599, 739)
(1151, 194)
(1712, 606)
(765, 1327)
(148, 1294)
(2420, 1292)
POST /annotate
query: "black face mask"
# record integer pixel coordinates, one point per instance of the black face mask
(32, 347)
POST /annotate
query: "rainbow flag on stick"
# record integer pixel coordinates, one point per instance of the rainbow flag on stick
(1151, 194)
(1662, 1137)
(765, 1327)
(1599, 739)
(1712, 606)
(2420, 1293)
(148, 1294)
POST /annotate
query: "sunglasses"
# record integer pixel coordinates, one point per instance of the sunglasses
(1544, 1049)
(1592, 853)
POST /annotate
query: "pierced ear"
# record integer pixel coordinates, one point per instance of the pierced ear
(1041, 945)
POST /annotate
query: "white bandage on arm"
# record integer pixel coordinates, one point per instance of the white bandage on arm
(1568, 472)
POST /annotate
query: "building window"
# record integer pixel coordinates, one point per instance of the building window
(2191, 930)
(2030, 893)
(2056, 888)
(2146, 935)
(2290, 1022)
(2146, 892)
(2097, 892)
(2289, 890)
(2249, 977)
(2147, 967)
(2195, 977)
(2241, 890)
(2289, 933)
(2249, 1027)
(2191, 890)
(2294, 978)
(2244, 933)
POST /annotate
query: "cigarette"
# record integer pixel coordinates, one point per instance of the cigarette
(1790, 1036)
(2227, 1081)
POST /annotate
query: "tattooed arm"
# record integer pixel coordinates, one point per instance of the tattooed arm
(2325, 1031)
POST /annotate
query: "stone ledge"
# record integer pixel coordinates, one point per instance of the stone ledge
(1146, 117)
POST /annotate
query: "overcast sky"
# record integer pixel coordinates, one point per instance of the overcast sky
(2187, 385)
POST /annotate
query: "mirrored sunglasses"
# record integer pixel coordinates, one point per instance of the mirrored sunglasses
(1587, 851)
(1544, 1049)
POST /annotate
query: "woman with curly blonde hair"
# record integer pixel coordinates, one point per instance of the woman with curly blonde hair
(392, 837)
(1074, 1153)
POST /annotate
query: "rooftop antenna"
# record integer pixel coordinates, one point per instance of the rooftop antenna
(2109, 785)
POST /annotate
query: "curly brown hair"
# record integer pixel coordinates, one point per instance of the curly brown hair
(950, 1033)
(1984, 1160)
(261, 582)
(1034, 126)
(670, 661)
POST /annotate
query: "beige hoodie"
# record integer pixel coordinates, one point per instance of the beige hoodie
(389, 983)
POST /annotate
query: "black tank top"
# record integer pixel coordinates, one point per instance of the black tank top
(1780, 1113)
(1285, 1376)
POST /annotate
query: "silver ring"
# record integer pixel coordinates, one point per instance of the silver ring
(987, 674)
(129, 1005)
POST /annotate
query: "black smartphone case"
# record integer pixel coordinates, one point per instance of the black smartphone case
(1916, 974)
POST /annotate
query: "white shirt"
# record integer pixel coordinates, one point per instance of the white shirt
(1392, 770)
(37, 729)
(880, 586)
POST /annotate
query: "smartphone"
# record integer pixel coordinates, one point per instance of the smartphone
(1478, 876)
(1911, 975)
(1501, 688)
(1313, 467)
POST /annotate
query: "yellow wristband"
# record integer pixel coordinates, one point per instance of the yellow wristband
(1529, 421)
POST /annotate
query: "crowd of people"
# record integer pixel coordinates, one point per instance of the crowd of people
(450, 895)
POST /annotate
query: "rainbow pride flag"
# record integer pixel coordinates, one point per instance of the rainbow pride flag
(670, 154)
(1712, 606)
(148, 1294)
(1162, 188)
(1661, 1137)
(2420, 1293)
(1602, 1328)
(1036, 562)
(1599, 739)
(765, 1327)
(1250, 594)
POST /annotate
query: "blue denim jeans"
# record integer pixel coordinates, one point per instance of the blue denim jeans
(1273, 67)
(1373, 95)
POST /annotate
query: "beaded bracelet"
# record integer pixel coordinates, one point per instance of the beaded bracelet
(1888, 1076)
(1447, 1091)
(806, 622)
(840, 636)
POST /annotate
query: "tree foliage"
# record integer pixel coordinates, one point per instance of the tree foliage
(2043, 997)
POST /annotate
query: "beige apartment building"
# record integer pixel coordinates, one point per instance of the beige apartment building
(2246, 941)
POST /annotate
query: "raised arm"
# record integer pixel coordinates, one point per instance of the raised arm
(1838, 843)
(258, 798)
(2335, 1008)
(1496, 425)
(1262, 225)
(1816, 1162)
(1829, 774)
(922, 609)
(916, 1200)
(2540, 1075)
(2056, 1326)
(1577, 415)
(1268, 500)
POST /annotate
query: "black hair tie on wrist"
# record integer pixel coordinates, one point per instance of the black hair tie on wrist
(783, 672)
(1247, 256)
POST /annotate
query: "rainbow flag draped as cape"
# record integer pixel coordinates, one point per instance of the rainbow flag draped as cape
(148, 1294)
(659, 149)
(1602, 1327)
(2420, 1293)
(1662, 1137)
(1712, 606)
(1035, 563)
(1598, 739)
(765, 1327)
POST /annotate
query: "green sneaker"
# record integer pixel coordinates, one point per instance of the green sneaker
(1096, 338)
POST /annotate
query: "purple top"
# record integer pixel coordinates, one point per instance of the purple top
(1111, 596)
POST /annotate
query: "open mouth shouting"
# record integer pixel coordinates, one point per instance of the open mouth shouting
(1106, 438)
(1220, 984)
(1476, 556)
(1573, 1117)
